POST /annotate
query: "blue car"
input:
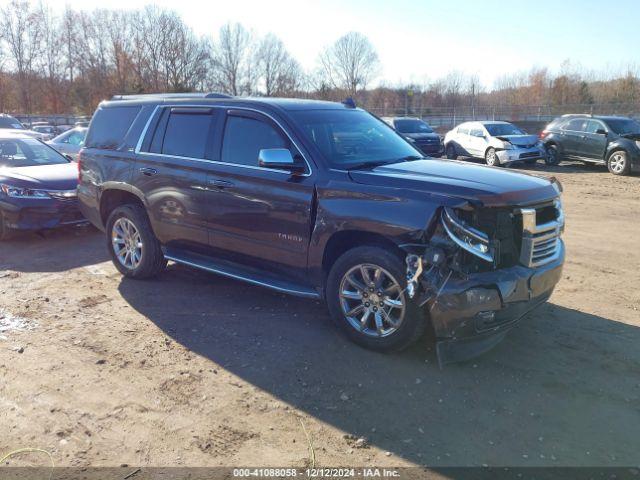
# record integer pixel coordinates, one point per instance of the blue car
(37, 186)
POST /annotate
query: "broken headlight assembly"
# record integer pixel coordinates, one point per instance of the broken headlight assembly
(468, 238)
(17, 192)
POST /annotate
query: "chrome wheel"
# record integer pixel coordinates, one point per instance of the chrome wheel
(491, 157)
(127, 243)
(618, 162)
(372, 300)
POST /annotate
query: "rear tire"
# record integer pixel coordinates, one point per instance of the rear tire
(134, 248)
(384, 318)
(553, 156)
(618, 163)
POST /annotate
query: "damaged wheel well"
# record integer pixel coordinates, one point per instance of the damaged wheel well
(111, 199)
(345, 240)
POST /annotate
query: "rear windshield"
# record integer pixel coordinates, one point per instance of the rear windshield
(10, 122)
(110, 126)
(412, 126)
(27, 152)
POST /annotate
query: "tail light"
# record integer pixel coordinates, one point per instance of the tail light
(542, 135)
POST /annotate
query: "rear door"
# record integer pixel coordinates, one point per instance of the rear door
(571, 135)
(463, 139)
(477, 141)
(260, 216)
(171, 172)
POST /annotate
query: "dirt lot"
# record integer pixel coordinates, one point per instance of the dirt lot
(194, 369)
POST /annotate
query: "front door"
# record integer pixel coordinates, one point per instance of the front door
(262, 217)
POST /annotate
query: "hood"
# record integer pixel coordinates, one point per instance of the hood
(422, 136)
(519, 140)
(632, 136)
(45, 177)
(476, 183)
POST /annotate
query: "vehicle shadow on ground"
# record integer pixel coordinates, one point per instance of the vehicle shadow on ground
(53, 251)
(561, 389)
(541, 167)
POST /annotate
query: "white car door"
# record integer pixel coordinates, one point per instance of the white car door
(477, 141)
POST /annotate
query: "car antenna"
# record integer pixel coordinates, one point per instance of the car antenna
(349, 102)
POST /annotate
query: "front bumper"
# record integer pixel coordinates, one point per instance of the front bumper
(470, 315)
(38, 214)
(431, 149)
(521, 154)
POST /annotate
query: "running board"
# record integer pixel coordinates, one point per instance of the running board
(230, 270)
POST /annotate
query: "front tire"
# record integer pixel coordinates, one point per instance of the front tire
(553, 156)
(618, 163)
(491, 158)
(134, 248)
(367, 300)
(450, 152)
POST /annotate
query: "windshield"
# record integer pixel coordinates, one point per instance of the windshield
(27, 152)
(412, 126)
(353, 138)
(623, 126)
(10, 122)
(498, 129)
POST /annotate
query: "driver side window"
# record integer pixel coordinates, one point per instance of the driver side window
(244, 137)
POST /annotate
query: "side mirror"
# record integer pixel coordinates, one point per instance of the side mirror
(279, 159)
(601, 131)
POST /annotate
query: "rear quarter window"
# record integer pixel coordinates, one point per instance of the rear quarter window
(110, 126)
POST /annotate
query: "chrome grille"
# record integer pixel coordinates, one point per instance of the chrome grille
(540, 242)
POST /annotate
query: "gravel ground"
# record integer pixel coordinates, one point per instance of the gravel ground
(194, 369)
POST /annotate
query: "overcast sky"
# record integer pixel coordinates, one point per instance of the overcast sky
(419, 40)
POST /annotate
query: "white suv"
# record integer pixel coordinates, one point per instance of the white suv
(499, 143)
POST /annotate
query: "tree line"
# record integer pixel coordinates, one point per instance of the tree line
(67, 62)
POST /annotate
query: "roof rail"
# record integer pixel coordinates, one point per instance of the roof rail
(577, 115)
(142, 96)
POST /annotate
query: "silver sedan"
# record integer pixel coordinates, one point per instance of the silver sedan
(70, 142)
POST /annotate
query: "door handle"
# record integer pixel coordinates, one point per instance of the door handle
(148, 171)
(215, 182)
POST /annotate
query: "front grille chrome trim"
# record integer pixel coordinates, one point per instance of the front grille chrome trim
(540, 243)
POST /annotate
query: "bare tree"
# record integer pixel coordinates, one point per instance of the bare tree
(350, 63)
(279, 72)
(21, 29)
(185, 58)
(230, 58)
(51, 60)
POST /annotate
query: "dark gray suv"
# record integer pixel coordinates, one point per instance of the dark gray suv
(610, 141)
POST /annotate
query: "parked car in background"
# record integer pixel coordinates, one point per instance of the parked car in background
(70, 142)
(604, 140)
(48, 131)
(498, 143)
(10, 125)
(323, 200)
(419, 132)
(37, 186)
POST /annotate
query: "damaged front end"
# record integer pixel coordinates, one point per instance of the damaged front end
(482, 269)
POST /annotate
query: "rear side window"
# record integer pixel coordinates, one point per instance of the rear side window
(187, 132)
(463, 130)
(109, 127)
(245, 137)
(575, 125)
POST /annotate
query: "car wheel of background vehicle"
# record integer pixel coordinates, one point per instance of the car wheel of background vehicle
(367, 300)
(133, 246)
(451, 152)
(553, 155)
(5, 232)
(492, 158)
(618, 163)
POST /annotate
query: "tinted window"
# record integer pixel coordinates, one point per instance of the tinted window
(109, 127)
(10, 122)
(575, 125)
(187, 133)
(593, 126)
(245, 137)
(412, 126)
(27, 152)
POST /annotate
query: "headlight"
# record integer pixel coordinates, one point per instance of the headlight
(507, 145)
(466, 237)
(17, 192)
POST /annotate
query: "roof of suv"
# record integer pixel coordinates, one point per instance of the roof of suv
(204, 99)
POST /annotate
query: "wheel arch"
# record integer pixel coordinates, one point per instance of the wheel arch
(112, 198)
